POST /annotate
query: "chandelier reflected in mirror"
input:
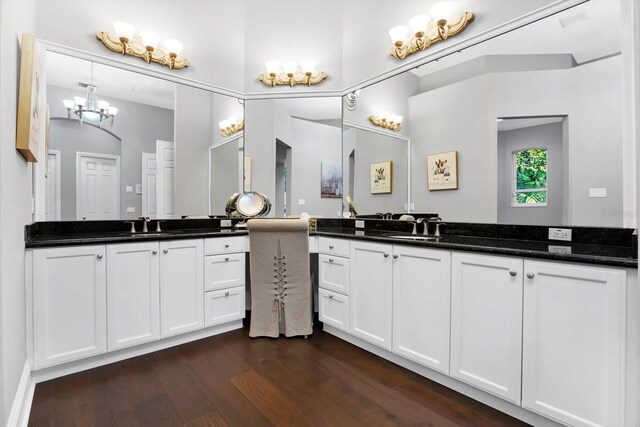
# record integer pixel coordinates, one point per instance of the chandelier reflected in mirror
(90, 108)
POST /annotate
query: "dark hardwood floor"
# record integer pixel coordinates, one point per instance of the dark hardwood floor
(233, 380)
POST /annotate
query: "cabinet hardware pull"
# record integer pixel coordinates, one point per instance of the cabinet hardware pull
(166, 251)
(226, 246)
(226, 259)
(395, 256)
(513, 273)
(330, 296)
(99, 256)
(330, 259)
(226, 294)
(386, 255)
(154, 251)
(530, 275)
(330, 247)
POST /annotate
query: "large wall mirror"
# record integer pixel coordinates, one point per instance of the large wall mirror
(534, 116)
(294, 154)
(161, 155)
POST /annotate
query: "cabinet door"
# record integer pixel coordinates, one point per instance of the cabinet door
(133, 294)
(181, 286)
(421, 303)
(70, 304)
(224, 271)
(370, 292)
(573, 350)
(224, 305)
(334, 273)
(333, 309)
(486, 323)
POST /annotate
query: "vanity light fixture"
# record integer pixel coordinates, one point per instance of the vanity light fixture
(290, 74)
(90, 108)
(387, 120)
(230, 126)
(428, 30)
(145, 47)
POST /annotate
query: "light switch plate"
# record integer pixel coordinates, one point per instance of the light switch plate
(129, 189)
(597, 192)
(131, 209)
(138, 188)
(560, 234)
(359, 223)
(560, 249)
(301, 202)
(225, 223)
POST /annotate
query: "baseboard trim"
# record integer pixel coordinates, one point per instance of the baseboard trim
(459, 386)
(21, 407)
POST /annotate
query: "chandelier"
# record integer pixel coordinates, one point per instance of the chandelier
(90, 108)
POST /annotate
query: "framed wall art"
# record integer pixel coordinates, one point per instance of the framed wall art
(381, 177)
(442, 171)
(30, 100)
(331, 181)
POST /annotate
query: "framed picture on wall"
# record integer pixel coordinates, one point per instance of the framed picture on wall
(30, 100)
(381, 177)
(331, 181)
(442, 171)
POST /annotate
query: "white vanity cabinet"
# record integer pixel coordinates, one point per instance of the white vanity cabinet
(133, 294)
(573, 349)
(370, 293)
(421, 302)
(70, 301)
(181, 286)
(486, 322)
(333, 282)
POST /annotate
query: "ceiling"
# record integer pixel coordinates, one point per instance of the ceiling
(588, 31)
(519, 123)
(68, 72)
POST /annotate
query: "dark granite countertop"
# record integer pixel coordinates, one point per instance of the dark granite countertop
(615, 253)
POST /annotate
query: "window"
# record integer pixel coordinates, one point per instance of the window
(530, 178)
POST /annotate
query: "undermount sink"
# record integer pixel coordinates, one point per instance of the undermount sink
(416, 237)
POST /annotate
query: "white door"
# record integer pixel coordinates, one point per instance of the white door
(165, 156)
(181, 286)
(370, 293)
(486, 323)
(52, 187)
(149, 172)
(421, 303)
(97, 186)
(573, 352)
(70, 319)
(133, 294)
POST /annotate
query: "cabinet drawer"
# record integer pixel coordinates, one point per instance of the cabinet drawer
(334, 273)
(224, 271)
(224, 306)
(333, 309)
(220, 245)
(333, 246)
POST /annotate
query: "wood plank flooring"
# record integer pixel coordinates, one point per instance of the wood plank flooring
(233, 380)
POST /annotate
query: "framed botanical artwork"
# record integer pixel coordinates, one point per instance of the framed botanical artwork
(381, 177)
(30, 100)
(331, 181)
(442, 171)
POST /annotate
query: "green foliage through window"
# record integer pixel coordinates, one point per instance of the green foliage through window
(531, 177)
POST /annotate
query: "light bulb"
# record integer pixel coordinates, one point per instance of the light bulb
(173, 46)
(112, 111)
(441, 11)
(149, 39)
(398, 34)
(123, 30)
(419, 24)
(233, 120)
(308, 66)
(68, 103)
(80, 101)
(272, 67)
(289, 67)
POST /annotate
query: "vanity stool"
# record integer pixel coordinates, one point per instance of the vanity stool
(281, 300)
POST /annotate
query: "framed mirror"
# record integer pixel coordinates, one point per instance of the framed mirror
(294, 154)
(161, 154)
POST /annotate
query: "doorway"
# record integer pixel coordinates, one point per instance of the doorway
(283, 180)
(97, 186)
(52, 209)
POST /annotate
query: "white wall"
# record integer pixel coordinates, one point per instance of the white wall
(463, 116)
(16, 17)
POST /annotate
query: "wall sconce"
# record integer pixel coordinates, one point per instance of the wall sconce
(145, 47)
(291, 74)
(230, 126)
(428, 30)
(387, 120)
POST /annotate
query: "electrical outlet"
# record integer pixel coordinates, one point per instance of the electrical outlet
(225, 223)
(131, 209)
(560, 234)
(129, 189)
(359, 223)
(560, 249)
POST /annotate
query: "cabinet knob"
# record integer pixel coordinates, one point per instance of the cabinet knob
(530, 275)
(166, 251)
(513, 273)
(330, 296)
(386, 255)
(99, 256)
(330, 247)
(395, 256)
(226, 246)
(330, 259)
(226, 294)
(154, 251)
(226, 259)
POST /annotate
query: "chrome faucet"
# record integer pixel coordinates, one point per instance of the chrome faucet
(145, 221)
(438, 221)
